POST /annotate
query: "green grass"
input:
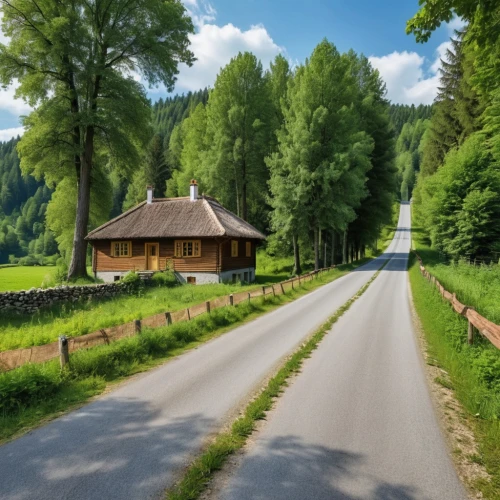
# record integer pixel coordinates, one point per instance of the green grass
(33, 394)
(228, 442)
(79, 318)
(23, 277)
(474, 371)
(476, 286)
(14, 278)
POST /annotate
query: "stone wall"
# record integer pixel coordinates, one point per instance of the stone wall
(29, 301)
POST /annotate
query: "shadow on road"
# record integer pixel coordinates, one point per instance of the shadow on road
(57, 462)
(288, 470)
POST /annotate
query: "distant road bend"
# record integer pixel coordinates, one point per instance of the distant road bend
(366, 416)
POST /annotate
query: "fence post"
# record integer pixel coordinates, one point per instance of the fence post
(299, 279)
(188, 313)
(168, 317)
(274, 293)
(207, 303)
(282, 289)
(470, 334)
(231, 300)
(63, 350)
(293, 288)
(249, 296)
(470, 329)
(137, 326)
(264, 291)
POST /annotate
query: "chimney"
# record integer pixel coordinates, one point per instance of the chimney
(150, 190)
(193, 190)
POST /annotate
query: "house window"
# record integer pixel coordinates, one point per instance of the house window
(121, 249)
(187, 248)
(248, 249)
(234, 248)
(191, 280)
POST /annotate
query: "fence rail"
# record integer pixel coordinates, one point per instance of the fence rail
(484, 326)
(10, 360)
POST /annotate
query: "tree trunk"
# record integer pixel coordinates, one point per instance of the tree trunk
(324, 259)
(78, 265)
(316, 249)
(296, 256)
(344, 248)
(332, 260)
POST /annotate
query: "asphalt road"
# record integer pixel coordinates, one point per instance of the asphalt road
(358, 422)
(130, 443)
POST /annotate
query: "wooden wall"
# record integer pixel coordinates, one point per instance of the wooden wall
(240, 262)
(103, 261)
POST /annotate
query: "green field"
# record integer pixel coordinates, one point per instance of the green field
(473, 370)
(23, 277)
(79, 318)
(477, 286)
(26, 277)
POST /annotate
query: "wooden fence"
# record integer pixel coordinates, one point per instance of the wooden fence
(486, 328)
(10, 360)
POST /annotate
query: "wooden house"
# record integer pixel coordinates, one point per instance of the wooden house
(195, 236)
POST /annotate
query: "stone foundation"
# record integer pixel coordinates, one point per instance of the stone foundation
(110, 276)
(247, 275)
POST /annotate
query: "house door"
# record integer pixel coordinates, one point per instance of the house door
(152, 256)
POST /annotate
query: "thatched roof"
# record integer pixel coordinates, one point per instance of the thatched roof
(176, 218)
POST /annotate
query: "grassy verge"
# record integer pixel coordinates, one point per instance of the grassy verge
(474, 372)
(477, 286)
(226, 443)
(79, 318)
(36, 393)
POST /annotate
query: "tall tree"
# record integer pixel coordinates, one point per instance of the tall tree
(376, 209)
(72, 60)
(238, 132)
(318, 174)
(279, 76)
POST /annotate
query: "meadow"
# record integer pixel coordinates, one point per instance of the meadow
(79, 318)
(14, 278)
(475, 285)
(473, 370)
(23, 277)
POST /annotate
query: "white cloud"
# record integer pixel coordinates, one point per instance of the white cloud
(457, 23)
(404, 72)
(9, 103)
(8, 133)
(441, 54)
(407, 81)
(214, 46)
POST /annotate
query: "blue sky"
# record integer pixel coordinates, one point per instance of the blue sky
(293, 28)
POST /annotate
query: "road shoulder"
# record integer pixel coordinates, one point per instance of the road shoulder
(453, 419)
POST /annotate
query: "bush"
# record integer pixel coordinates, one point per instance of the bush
(133, 282)
(165, 278)
(28, 385)
(29, 260)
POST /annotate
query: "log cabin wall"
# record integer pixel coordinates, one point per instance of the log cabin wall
(104, 261)
(241, 262)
